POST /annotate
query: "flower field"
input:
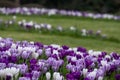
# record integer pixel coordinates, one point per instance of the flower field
(51, 44)
(25, 60)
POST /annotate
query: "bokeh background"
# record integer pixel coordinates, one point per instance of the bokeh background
(102, 6)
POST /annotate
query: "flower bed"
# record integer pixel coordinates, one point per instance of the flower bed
(46, 28)
(44, 11)
(23, 60)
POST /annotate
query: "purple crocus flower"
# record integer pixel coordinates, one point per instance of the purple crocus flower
(54, 56)
(23, 68)
(8, 77)
(33, 61)
(12, 65)
(34, 67)
(100, 72)
(90, 32)
(35, 75)
(73, 76)
(13, 59)
(56, 64)
(2, 65)
(4, 60)
(81, 49)
(65, 47)
(88, 62)
(115, 55)
(25, 54)
(40, 51)
(48, 52)
(117, 77)
(70, 77)
(28, 75)
(103, 54)
(40, 45)
(87, 79)
(24, 78)
(62, 53)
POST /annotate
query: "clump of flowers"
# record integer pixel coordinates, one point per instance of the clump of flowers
(23, 60)
(50, 12)
(45, 28)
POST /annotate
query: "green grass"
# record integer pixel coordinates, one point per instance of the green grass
(109, 27)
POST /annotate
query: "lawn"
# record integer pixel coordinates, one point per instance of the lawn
(109, 27)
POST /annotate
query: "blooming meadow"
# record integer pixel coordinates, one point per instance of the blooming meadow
(29, 60)
(23, 60)
(49, 12)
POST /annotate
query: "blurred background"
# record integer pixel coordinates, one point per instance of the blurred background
(101, 6)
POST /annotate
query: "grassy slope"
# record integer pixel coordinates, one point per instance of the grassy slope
(109, 27)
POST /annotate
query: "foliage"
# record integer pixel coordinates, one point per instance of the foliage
(85, 5)
(7, 4)
(103, 6)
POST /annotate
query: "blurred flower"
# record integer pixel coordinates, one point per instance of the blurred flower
(24, 78)
(117, 77)
(48, 75)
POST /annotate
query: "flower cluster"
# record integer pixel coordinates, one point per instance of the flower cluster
(50, 29)
(23, 60)
(41, 11)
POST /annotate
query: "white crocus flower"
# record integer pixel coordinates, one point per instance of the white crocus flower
(13, 71)
(2, 44)
(35, 55)
(48, 75)
(1, 38)
(55, 46)
(10, 22)
(95, 69)
(74, 49)
(19, 22)
(85, 71)
(20, 49)
(103, 62)
(94, 53)
(31, 42)
(107, 56)
(73, 58)
(2, 73)
(32, 49)
(14, 17)
(59, 28)
(51, 12)
(97, 53)
(92, 74)
(8, 53)
(72, 28)
(49, 26)
(57, 76)
(55, 52)
(100, 78)
(37, 26)
(24, 21)
(9, 71)
(84, 32)
(13, 46)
